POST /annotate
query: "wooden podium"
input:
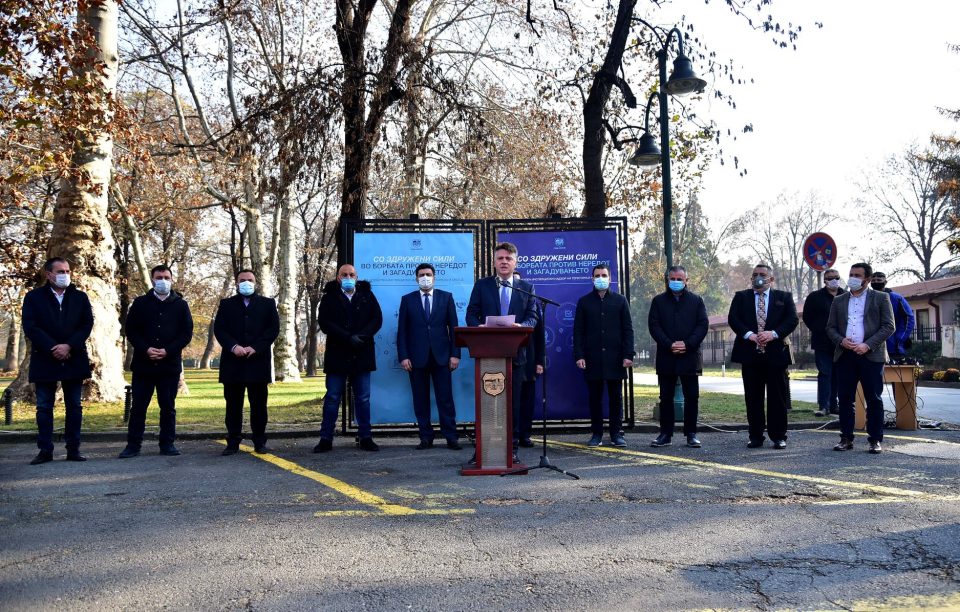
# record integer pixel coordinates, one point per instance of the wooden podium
(904, 381)
(493, 350)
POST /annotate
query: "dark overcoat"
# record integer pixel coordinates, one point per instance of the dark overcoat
(340, 318)
(155, 323)
(816, 311)
(781, 318)
(683, 317)
(256, 325)
(47, 323)
(603, 335)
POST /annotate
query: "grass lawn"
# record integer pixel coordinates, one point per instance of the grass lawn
(294, 405)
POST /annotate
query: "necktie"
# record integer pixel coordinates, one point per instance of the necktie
(504, 300)
(761, 315)
(426, 304)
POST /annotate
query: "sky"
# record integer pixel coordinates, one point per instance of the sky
(859, 89)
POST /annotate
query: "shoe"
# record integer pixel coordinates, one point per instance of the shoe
(516, 457)
(527, 443)
(662, 440)
(755, 443)
(368, 444)
(170, 451)
(821, 413)
(425, 444)
(875, 448)
(261, 449)
(75, 456)
(618, 441)
(42, 457)
(693, 441)
(454, 445)
(129, 452)
(779, 444)
(473, 460)
(595, 440)
(232, 449)
(323, 446)
(844, 445)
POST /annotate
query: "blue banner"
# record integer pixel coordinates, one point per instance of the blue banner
(560, 266)
(388, 260)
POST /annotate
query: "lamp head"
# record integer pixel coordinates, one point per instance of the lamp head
(647, 153)
(684, 80)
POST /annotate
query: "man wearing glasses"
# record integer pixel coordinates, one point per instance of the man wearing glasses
(816, 310)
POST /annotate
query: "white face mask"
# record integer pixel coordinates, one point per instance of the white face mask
(425, 282)
(162, 286)
(245, 288)
(833, 283)
(62, 280)
(854, 284)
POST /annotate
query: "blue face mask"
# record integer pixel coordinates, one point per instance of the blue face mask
(348, 284)
(600, 283)
(676, 285)
(246, 288)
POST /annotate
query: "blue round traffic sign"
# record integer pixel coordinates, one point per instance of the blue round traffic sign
(819, 251)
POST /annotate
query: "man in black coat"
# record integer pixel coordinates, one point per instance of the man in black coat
(246, 326)
(349, 314)
(762, 318)
(603, 349)
(816, 310)
(678, 324)
(159, 326)
(57, 319)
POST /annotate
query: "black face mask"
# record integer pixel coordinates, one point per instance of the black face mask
(878, 286)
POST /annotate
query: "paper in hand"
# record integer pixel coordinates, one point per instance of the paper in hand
(505, 321)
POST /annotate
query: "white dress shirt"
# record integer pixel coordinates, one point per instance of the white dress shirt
(855, 310)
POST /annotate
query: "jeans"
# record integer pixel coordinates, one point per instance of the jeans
(336, 385)
(827, 381)
(855, 369)
(46, 393)
(143, 387)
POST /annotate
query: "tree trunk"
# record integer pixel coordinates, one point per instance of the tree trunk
(12, 353)
(207, 355)
(81, 229)
(313, 330)
(285, 348)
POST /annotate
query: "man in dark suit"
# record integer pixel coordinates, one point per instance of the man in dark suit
(816, 311)
(860, 322)
(159, 326)
(57, 319)
(246, 326)
(494, 296)
(535, 363)
(426, 350)
(762, 318)
(603, 349)
(678, 324)
(350, 316)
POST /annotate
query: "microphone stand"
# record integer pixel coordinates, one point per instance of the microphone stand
(542, 303)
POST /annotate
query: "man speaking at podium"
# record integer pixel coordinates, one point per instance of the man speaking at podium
(494, 296)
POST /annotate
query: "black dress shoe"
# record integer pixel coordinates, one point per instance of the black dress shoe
(755, 443)
(527, 443)
(425, 444)
(454, 445)
(42, 457)
(780, 444)
(368, 444)
(323, 446)
(662, 440)
(260, 449)
(129, 452)
(232, 449)
(75, 456)
(170, 451)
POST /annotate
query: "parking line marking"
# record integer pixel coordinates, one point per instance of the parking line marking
(355, 493)
(878, 489)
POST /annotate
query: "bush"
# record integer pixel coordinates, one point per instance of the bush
(938, 376)
(945, 363)
(951, 375)
(925, 374)
(926, 352)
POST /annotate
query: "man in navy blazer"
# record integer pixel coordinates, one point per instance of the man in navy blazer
(494, 296)
(426, 350)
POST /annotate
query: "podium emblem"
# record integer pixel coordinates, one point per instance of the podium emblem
(493, 383)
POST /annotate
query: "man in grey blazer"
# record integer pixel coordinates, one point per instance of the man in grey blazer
(859, 324)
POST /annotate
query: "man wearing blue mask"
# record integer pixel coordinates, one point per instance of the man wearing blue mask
(159, 326)
(603, 349)
(349, 314)
(678, 324)
(246, 326)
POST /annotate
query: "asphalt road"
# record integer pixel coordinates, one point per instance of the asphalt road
(677, 528)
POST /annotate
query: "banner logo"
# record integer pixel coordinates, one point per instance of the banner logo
(493, 383)
(416, 245)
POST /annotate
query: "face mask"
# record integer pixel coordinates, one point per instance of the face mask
(854, 284)
(833, 283)
(759, 282)
(62, 281)
(425, 282)
(601, 283)
(878, 286)
(162, 286)
(246, 288)
(675, 285)
(348, 284)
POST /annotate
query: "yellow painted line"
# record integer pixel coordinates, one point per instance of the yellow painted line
(934, 602)
(878, 489)
(357, 494)
(886, 435)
